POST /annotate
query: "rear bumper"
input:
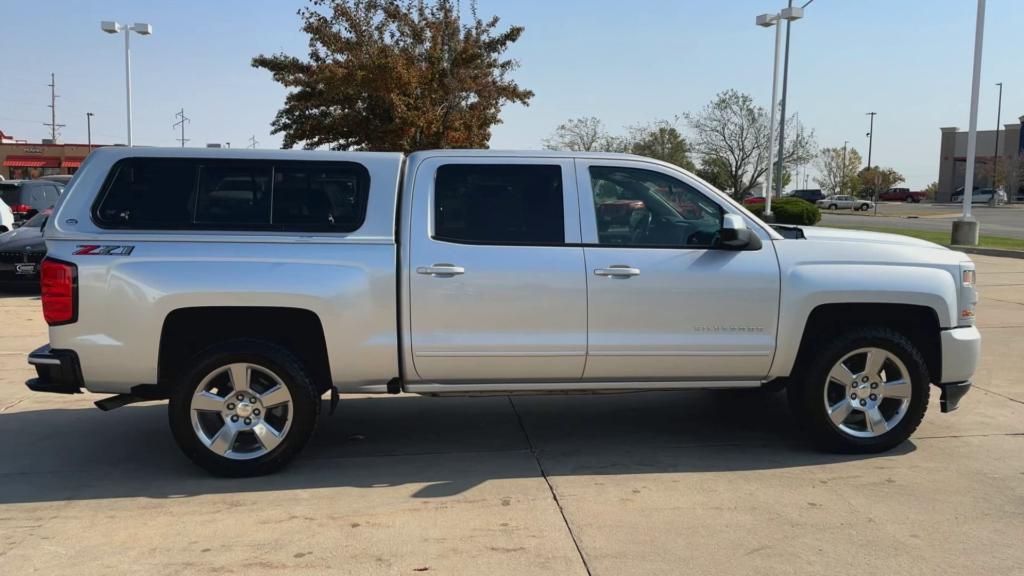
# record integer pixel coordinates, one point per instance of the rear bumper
(961, 349)
(57, 371)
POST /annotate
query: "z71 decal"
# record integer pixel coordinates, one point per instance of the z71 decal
(100, 250)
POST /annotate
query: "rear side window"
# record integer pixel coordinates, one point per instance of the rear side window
(499, 204)
(204, 194)
(10, 194)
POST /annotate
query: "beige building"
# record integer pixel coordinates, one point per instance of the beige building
(22, 160)
(1008, 170)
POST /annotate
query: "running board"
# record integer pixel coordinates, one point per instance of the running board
(113, 402)
(559, 387)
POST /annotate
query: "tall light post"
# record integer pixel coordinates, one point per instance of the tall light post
(785, 84)
(767, 21)
(88, 129)
(842, 173)
(965, 229)
(142, 29)
(995, 155)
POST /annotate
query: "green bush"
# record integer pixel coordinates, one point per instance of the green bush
(791, 211)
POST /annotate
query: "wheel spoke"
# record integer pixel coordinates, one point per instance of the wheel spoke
(224, 440)
(207, 401)
(875, 421)
(873, 362)
(267, 435)
(276, 395)
(840, 411)
(897, 389)
(239, 377)
(841, 374)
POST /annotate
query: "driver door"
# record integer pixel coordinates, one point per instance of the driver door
(663, 302)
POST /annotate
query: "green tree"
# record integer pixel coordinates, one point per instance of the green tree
(838, 170)
(395, 75)
(661, 140)
(931, 190)
(732, 133)
(876, 179)
(714, 172)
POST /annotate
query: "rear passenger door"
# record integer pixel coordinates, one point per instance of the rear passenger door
(496, 276)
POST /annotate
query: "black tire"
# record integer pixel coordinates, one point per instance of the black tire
(305, 406)
(806, 392)
(833, 207)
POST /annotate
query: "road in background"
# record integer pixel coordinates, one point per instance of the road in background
(1005, 221)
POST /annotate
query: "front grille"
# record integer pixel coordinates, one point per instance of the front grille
(21, 257)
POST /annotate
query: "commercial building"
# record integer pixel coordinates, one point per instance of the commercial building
(1005, 171)
(21, 160)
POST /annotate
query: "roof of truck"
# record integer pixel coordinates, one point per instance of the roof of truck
(249, 153)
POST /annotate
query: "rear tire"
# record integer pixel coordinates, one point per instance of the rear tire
(244, 408)
(832, 207)
(848, 405)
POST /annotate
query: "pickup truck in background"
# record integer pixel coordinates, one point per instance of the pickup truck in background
(901, 195)
(243, 285)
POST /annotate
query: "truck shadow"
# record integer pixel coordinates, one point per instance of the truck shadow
(435, 447)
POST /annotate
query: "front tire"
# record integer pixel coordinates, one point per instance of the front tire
(864, 391)
(832, 207)
(244, 408)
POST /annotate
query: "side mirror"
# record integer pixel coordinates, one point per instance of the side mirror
(735, 235)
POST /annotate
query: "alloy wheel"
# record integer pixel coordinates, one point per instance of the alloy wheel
(867, 392)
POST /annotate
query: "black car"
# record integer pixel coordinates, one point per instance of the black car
(28, 197)
(811, 195)
(21, 251)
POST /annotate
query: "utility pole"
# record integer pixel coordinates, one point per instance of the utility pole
(995, 156)
(871, 135)
(88, 129)
(53, 110)
(252, 142)
(182, 120)
(842, 174)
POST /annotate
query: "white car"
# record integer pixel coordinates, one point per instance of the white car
(6, 217)
(844, 203)
(242, 285)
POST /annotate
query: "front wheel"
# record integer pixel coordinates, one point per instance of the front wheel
(832, 207)
(245, 408)
(866, 391)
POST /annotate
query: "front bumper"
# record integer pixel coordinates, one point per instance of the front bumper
(57, 371)
(961, 349)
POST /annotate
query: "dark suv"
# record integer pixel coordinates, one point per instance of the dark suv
(27, 198)
(811, 195)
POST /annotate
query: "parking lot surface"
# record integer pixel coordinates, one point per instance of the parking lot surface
(646, 483)
(1007, 221)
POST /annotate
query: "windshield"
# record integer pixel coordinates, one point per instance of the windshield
(38, 220)
(10, 194)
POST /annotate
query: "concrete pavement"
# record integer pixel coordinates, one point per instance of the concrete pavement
(1007, 221)
(647, 483)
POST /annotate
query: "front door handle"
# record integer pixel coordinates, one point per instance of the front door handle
(441, 270)
(617, 270)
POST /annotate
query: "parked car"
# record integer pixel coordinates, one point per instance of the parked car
(811, 195)
(460, 272)
(27, 197)
(901, 195)
(753, 200)
(6, 218)
(61, 178)
(980, 196)
(22, 250)
(844, 203)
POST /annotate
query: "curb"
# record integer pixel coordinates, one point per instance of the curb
(999, 252)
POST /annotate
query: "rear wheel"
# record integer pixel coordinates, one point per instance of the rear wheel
(245, 408)
(865, 391)
(832, 207)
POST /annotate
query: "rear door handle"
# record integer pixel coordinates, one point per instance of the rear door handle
(617, 270)
(441, 270)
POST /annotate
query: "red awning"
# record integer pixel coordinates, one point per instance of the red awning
(31, 162)
(71, 162)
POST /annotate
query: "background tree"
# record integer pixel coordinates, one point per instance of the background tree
(838, 175)
(661, 140)
(714, 172)
(584, 134)
(931, 190)
(731, 134)
(877, 179)
(394, 75)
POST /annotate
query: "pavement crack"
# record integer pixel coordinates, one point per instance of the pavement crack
(554, 494)
(1010, 398)
(12, 405)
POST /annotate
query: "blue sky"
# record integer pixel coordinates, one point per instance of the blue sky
(908, 60)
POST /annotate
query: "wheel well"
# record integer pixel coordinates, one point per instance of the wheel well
(920, 324)
(188, 331)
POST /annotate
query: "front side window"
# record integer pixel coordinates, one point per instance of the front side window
(516, 204)
(636, 207)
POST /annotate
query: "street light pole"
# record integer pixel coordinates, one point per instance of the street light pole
(842, 173)
(140, 28)
(766, 20)
(995, 155)
(88, 129)
(965, 229)
(871, 136)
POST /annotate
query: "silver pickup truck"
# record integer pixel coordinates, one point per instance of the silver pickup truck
(244, 285)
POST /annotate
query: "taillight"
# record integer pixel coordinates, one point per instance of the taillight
(59, 287)
(21, 208)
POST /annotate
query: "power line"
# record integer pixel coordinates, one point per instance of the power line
(252, 141)
(53, 109)
(181, 123)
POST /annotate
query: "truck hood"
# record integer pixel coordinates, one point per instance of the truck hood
(862, 236)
